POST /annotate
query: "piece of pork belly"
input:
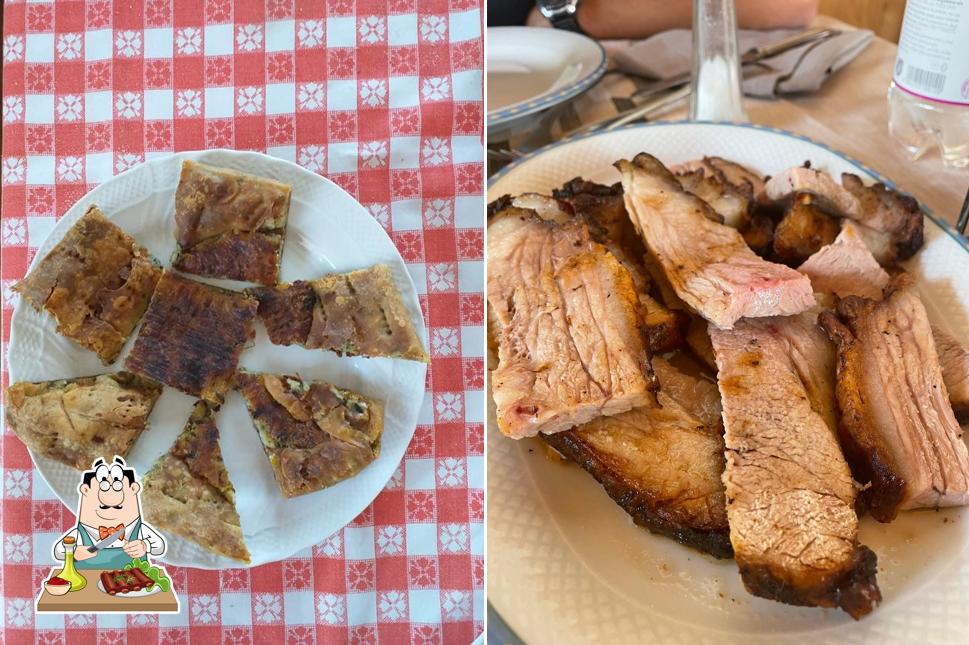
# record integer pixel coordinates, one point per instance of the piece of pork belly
(895, 220)
(790, 496)
(897, 426)
(709, 265)
(727, 201)
(662, 465)
(846, 267)
(570, 346)
(802, 231)
(954, 361)
(731, 172)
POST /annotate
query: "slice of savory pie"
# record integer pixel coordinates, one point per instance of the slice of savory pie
(96, 283)
(360, 313)
(229, 224)
(76, 421)
(315, 434)
(187, 491)
(192, 337)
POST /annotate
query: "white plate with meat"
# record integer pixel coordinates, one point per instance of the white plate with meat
(567, 564)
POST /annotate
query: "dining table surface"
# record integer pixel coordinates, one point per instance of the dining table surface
(386, 101)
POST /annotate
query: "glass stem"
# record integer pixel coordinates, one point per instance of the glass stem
(716, 92)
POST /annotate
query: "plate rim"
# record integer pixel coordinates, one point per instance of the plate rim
(547, 100)
(949, 229)
(175, 157)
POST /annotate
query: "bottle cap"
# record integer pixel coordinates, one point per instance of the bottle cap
(69, 540)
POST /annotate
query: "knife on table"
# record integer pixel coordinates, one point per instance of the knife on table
(108, 540)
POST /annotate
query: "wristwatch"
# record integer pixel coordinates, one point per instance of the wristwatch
(561, 13)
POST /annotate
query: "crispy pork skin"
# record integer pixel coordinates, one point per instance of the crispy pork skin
(709, 265)
(846, 267)
(895, 220)
(570, 345)
(802, 231)
(954, 361)
(662, 465)
(897, 426)
(889, 211)
(790, 496)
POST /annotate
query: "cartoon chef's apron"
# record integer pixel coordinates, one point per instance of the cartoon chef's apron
(106, 558)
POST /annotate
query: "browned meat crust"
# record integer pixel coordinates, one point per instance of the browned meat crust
(314, 434)
(77, 421)
(758, 233)
(731, 203)
(192, 337)
(803, 230)
(897, 426)
(891, 212)
(96, 283)
(665, 328)
(568, 319)
(287, 311)
(229, 224)
(790, 496)
(954, 361)
(662, 465)
(187, 491)
(708, 264)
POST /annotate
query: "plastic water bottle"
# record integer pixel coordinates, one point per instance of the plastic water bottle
(928, 101)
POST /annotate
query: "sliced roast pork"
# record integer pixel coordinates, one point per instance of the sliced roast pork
(846, 267)
(790, 496)
(954, 361)
(729, 202)
(662, 465)
(802, 231)
(570, 347)
(709, 265)
(893, 221)
(897, 426)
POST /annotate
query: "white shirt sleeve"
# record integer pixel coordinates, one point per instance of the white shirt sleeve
(59, 545)
(154, 542)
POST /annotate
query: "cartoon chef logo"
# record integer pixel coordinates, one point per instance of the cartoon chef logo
(103, 561)
(110, 532)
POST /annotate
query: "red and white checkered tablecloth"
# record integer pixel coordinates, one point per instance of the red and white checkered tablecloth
(385, 98)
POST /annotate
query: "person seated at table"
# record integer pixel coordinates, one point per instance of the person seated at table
(641, 18)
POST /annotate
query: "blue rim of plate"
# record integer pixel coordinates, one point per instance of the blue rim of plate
(524, 108)
(946, 227)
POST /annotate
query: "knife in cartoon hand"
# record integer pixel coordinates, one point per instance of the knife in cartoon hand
(106, 541)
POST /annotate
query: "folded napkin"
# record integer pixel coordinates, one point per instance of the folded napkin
(802, 69)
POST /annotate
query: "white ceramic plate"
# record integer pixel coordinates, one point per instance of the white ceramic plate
(141, 593)
(566, 564)
(532, 69)
(328, 231)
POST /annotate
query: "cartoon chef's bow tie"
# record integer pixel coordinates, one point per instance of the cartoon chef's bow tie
(105, 531)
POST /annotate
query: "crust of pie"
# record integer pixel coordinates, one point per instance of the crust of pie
(192, 337)
(96, 283)
(76, 421)
(187, 492)
(229, 224)
(314, 434)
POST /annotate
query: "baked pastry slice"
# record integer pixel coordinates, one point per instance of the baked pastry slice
(77, 421)
(187, 492)
(96, 283)
(360, 313)
(314, 434)
(229, 224)
(192, 337)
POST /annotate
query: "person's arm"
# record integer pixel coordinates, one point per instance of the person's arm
(642, 18)
(154, 543)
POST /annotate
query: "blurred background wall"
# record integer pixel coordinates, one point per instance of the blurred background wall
(884, 17)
